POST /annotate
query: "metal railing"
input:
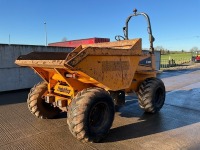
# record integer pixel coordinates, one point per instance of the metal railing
(166, 63)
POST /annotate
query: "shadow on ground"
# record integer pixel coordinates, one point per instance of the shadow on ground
(177, 112)
(13, 97)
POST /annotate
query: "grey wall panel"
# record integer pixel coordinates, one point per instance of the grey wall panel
(17, 78)
(9, 53)
(158, 57)
(14, 77)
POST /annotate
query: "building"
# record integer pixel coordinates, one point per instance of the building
(76, 43)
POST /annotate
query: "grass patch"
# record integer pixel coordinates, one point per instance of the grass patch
(178, 58)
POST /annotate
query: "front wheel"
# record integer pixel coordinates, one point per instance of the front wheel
(37, 105)
(151, 95)
(91, 114)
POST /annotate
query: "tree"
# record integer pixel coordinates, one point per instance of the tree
(64, 39)
(161, 49)
(194, 49)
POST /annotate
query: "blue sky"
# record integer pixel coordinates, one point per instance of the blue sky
(175, 23)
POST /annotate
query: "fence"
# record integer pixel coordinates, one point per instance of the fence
(166, 63)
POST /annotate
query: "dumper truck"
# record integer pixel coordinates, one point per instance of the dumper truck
(91, 80)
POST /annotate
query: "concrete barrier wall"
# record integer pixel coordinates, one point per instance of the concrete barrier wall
(13, 77)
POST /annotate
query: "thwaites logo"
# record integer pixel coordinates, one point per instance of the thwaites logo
(63, 89)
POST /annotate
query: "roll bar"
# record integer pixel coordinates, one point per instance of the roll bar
(125, 29)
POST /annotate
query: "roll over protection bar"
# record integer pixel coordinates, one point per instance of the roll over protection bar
(151, 38)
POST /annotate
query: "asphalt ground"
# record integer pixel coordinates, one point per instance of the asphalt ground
(176, 126)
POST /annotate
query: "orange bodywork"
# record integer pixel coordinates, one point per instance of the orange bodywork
(112, 66)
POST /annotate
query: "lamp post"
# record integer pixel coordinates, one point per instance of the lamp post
(45, 28)
(9, 39)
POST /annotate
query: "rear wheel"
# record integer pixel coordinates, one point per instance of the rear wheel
(151, 95)
(91, 114)
(37, 104)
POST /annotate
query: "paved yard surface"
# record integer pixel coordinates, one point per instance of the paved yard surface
(176, 126)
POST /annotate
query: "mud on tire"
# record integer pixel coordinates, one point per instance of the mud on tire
(90, 115)
(151, 95)
(37, 104)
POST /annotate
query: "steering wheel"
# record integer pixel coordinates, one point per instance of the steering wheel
(119, 38)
